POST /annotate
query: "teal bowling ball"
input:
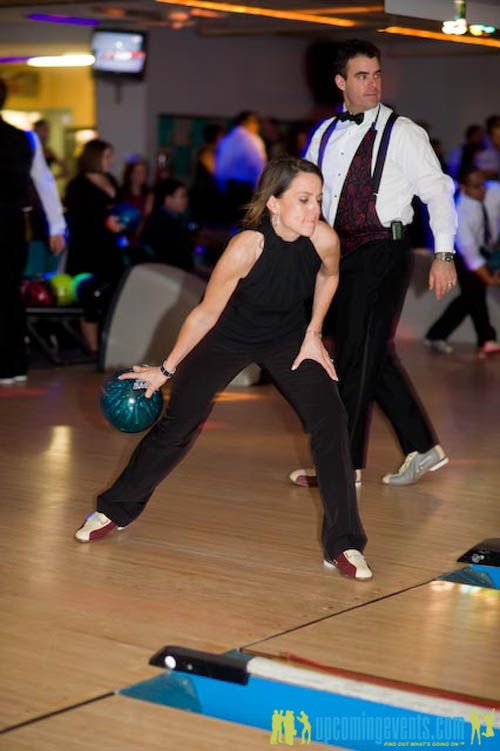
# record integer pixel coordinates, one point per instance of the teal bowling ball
(125, 406)
(77, 281)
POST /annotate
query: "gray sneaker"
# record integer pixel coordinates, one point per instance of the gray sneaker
(415, 465)
(439, 345)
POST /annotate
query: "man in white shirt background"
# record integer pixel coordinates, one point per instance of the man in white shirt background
(371, 175)
(21, 158)
(240, 157)
(478, 212)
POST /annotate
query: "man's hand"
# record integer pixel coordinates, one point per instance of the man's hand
(442, 277)
(57, 243)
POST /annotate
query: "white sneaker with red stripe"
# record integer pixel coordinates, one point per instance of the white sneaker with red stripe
(351, 563)
(306, 478)
(95, 526)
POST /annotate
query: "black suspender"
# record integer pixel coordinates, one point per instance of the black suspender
(382, 151)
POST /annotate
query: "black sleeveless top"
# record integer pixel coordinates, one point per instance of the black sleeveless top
(269, 303)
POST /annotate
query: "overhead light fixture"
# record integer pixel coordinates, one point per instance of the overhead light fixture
(249, 10)
(478, 30)
(62, 61)
(456, 27)
(424, 34)
(71, 20)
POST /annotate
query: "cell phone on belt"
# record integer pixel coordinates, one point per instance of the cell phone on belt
(397, 230)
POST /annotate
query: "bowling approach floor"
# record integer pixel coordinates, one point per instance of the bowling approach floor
(227, 556)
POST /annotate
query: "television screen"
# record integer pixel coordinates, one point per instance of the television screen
(119, 52)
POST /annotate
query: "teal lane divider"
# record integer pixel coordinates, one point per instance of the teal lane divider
(294, 715)
(476, 576)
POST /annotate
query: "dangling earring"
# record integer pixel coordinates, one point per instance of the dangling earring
(275, 219)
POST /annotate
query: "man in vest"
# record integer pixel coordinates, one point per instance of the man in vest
(21, 159)
(373, 164)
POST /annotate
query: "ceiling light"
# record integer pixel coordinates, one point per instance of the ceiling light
(478, 30)
(72, 20)
(424, 34)
(62, 61)
(458, 26)
(251, 10)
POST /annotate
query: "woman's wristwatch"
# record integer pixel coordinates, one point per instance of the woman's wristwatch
(448, 257)
(167, 373)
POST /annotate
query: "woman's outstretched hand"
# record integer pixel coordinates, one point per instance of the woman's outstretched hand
(151, 375)
(313, 349)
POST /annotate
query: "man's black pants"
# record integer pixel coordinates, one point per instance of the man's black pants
(13, 357)
(373, 283)
(208, 369)
(470, 302)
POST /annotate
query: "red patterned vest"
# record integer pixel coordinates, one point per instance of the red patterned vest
(356, 221)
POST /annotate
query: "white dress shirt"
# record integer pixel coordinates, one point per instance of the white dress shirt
(470, 234)
(411, 168)
(46, 188)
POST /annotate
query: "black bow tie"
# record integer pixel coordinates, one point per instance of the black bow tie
(358, 119)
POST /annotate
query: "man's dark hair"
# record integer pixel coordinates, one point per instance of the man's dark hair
(472, 130)
(353, 48)
(465, 172)
(244, 117)
(3, 93)
(166, 188)
(492, 123)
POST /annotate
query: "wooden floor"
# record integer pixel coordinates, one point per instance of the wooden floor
(227, 556)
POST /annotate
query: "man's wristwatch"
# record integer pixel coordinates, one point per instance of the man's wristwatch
(167, 373)
(448, 257)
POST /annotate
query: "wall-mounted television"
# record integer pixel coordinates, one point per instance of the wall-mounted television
(119, 53)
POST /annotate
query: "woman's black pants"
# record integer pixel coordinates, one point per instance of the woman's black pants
(208, 369)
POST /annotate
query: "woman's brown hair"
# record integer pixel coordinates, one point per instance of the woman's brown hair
(274, 181)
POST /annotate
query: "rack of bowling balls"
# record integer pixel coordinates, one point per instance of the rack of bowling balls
(58, 290)
(54, 307)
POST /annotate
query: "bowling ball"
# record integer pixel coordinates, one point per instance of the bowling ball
(94, 294)
(62, 286)
(128, 215)
(37, 293)
(76, 281)
(125, 406)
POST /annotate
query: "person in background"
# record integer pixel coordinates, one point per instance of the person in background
(240, 158)
(374, 162)
(55, 163)
(478, 212)
(205, 199)
(488, 160)
(93, 231)
(462, 157)
(21, 160)
(253, 311)
(166, 237)
(134, 188)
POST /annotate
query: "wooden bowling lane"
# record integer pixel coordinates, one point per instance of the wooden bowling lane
(441, 636)
(227, 553)
(122, 724)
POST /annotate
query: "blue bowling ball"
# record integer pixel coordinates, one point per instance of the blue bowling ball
(125, 406)
(128, 215)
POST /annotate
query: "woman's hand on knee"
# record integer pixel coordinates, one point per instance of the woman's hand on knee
(313, 349)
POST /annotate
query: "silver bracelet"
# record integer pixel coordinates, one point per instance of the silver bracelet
(167, 373)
